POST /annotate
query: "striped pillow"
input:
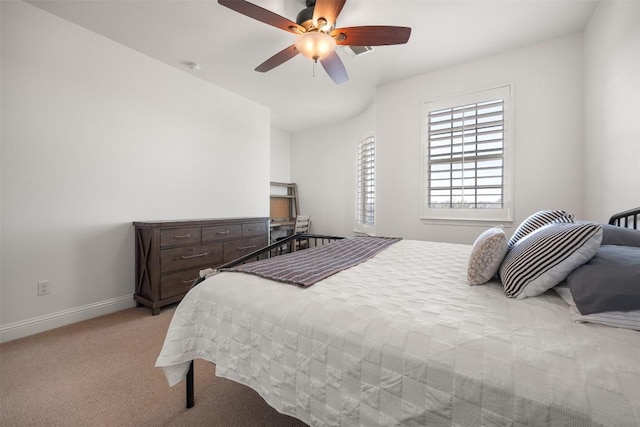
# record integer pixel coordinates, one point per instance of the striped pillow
(537, 220)
(617, 319)
(547, 256)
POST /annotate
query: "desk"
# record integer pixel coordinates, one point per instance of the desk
(281, 228)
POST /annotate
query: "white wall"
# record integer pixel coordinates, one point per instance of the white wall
(548, 103)
(280, 155)
(546, 141)
(95, 136)
(323, 164)
(612, 109)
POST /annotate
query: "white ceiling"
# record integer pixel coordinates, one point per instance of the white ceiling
(228, 46)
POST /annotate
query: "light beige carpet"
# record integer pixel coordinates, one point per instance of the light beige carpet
(101, 372)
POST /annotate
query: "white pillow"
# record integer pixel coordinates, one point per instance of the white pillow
(544, 258)
(486, 256)
(537, 220)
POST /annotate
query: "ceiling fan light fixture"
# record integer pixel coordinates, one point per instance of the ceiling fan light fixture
(317, 37)
(324, 26)
(315, 45)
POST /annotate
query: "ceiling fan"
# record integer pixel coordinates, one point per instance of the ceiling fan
(317, 35)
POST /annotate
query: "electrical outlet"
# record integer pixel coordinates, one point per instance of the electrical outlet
(44, 287)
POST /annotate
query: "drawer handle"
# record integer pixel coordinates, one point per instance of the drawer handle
(240, 248)
(184, 236)
(195, 256)
(253, 229)
(186, 282)
(223, 232)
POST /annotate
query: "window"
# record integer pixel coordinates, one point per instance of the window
(366, 182)
(465, 146)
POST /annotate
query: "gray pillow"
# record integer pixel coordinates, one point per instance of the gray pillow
(610, 281)
(613, 235)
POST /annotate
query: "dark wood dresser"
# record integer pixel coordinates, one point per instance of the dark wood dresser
(170, 254)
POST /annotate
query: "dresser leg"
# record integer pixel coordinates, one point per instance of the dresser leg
(155, 311)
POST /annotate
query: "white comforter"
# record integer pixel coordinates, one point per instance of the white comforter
(402, 339)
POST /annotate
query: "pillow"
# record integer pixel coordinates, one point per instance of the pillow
(545, 257)
(487, 254)
(537, 220)
(610, 281)
(614, 235)
(617, 319)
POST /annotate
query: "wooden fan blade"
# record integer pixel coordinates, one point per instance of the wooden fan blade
(333, 65)
(263, 15)
(374, 35)
(328, 10)
(278, 59)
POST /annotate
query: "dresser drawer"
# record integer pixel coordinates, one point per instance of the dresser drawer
(179, 236)
(170, 254)
(238, 248)
(190, 256)
(254, 229)
(221, 232)
(177, 283)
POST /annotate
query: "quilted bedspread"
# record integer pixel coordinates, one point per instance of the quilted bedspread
(402, 339)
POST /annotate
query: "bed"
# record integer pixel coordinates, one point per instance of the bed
(403, 339)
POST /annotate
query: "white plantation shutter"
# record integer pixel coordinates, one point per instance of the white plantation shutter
(465, 143)
(366, 185)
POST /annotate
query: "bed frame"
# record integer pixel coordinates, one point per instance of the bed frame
(275, 249)
(627, 219)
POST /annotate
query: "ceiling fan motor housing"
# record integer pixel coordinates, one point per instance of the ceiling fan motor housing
(306, 14)
(317, 40)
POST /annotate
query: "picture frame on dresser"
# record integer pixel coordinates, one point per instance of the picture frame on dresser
(170, 254)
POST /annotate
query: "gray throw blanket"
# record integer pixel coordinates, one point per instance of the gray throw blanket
(308, 266)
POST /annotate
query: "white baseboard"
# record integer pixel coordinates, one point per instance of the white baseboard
(38, 324)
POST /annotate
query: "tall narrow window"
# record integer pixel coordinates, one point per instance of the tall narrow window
(366, 191)
(465, 146)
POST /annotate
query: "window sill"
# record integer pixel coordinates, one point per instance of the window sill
(468, 222)
(364, 231)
